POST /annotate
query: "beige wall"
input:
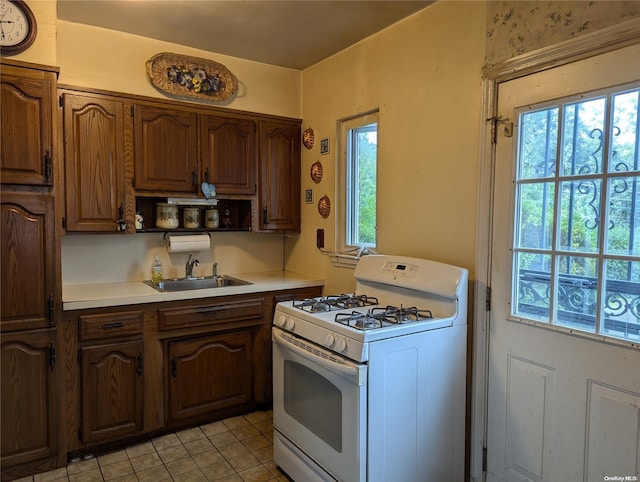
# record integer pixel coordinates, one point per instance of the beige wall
(424, 74)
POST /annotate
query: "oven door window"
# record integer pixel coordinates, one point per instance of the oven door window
(308, 394)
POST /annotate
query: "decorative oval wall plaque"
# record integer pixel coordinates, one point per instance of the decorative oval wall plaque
(186, 76)
(308, 138)
(324, 206)
(316, 172)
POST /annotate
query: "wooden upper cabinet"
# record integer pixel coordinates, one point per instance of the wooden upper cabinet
(28, 246)
(229, 153)
(27, 126)
(279, 190)
(94, 162)
(166, 149)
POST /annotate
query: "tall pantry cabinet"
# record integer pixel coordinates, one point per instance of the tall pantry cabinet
(29, 270)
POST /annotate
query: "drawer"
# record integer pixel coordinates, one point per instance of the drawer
(108, 325)
(212, 313)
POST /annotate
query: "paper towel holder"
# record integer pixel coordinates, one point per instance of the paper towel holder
(164, 236)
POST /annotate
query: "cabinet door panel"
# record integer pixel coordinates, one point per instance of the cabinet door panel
(94, 163)
(28, 261)
(165, 144)
(209, 373)
(229, 154)
(279, 176)
(29, 403)
(112, 391)
(26, 129)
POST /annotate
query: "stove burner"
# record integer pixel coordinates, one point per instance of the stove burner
(395, 314)
(362, 321)
(334, 302)
(378, 317)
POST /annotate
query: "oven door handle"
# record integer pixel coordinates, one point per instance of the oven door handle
(308, 353)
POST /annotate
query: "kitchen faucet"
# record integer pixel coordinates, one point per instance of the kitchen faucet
(215, 270)
(189, 266)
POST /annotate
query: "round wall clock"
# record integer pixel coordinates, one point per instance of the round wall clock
(17, 27)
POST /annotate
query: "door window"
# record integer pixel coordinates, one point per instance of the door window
(576, 244)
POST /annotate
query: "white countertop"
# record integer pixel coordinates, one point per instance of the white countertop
(99, 295)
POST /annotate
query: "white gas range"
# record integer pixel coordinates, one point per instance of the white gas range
(370, 386)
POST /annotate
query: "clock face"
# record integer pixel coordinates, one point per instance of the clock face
(17, 26)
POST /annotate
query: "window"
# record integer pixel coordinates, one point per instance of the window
(576, 248)
(357, 186)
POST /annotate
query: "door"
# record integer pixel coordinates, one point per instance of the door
(28, 247)
(94, 163)
(229, 154)
(26, 128)
(29, 399)
(165, 149)
(112, 391)
(279, 176)
(208, 373)
(564, 395)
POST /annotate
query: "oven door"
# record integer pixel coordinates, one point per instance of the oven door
(320, 406)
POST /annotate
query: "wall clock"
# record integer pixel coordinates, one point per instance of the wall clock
(17, 27)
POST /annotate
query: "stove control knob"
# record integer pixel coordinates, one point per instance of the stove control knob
(280, 320)
(290, 323)
(341, 345)
(329, 340)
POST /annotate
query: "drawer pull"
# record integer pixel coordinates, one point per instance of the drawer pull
(111, 326)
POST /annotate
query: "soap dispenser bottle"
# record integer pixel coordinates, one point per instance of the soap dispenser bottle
(156, 271)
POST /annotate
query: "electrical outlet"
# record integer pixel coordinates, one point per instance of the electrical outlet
(320, 238)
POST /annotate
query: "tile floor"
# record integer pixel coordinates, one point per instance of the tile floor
(233, 450)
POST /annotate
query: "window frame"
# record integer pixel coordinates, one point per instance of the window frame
(555, 251)
(345, 191)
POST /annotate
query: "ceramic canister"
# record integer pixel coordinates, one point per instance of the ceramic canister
(212, 218)
(167, 216)
(191, 218)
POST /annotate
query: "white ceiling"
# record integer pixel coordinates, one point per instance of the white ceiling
(290, 33)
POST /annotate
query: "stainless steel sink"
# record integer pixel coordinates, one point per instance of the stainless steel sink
(185, 284)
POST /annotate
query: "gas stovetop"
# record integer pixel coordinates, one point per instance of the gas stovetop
(351, 314)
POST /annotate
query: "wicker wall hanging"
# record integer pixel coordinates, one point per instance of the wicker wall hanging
(186, 76)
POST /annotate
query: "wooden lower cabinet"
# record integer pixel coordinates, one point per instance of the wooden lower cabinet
(29, 402)
(112, 391)
(209, 373)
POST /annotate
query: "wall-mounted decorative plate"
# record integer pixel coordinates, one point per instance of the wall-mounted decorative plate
(308, 138)
(316, 172)
(324, 206)
(187, 76)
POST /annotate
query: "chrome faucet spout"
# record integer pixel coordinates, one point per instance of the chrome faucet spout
(189, 266)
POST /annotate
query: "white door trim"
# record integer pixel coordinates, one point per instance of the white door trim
(588, 45)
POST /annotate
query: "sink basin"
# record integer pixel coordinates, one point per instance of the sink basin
(186, 284)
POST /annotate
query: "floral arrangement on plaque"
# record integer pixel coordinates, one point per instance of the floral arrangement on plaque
(186, 76)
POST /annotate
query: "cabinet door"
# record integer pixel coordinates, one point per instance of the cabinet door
(26, 129)
(279, 176)
(29, 403)
(112, 390)
(165, 146)
(229, 154)
(209, 373)
(94, 163)
(28, 247)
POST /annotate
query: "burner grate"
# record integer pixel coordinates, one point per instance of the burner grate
(334, 302)
(382, 316)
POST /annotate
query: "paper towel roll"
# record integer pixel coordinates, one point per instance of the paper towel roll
(188, 243)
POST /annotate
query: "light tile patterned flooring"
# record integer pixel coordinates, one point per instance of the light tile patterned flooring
(232, 450)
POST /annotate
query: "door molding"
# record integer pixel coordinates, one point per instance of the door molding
(589, 45)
